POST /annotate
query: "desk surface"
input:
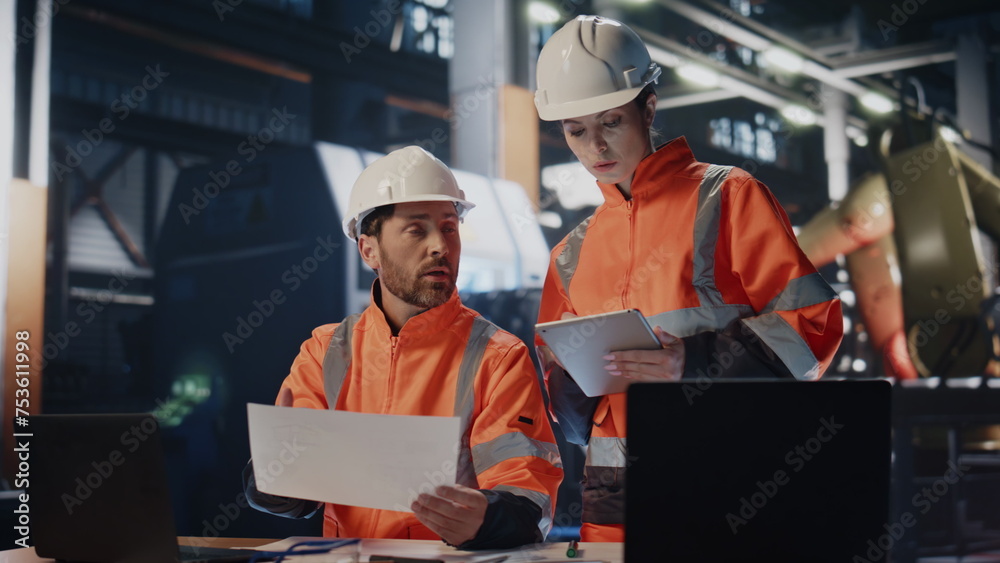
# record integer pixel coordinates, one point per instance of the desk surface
(610, 552)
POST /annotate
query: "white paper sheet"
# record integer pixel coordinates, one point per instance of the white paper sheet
(357, 459)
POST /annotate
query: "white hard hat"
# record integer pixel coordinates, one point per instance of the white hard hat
(405, 175)
(591, 64)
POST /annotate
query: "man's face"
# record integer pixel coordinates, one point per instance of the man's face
(417, 253)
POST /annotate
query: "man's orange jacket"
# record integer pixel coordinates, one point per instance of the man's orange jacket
(707, 253)
(446, 361)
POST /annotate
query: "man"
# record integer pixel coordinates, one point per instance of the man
(416, 350)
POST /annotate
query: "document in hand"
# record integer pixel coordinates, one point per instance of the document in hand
(357, 459)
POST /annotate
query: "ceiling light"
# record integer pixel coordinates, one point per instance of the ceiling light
(699, 75)
(877, 102)
(949, 134)
(542, 12)
(798, 115)
(783, 58)
(857, 135)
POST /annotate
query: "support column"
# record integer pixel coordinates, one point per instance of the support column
(972, 93)
(24, 75)
(494, 124)
(836, 145)
(972, 88)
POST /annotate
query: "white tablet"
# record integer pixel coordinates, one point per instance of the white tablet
(580, 343)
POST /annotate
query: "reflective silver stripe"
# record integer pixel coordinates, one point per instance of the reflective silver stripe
(691, 321)
(706, 234)
(338, 357)
(511, 445)
(479, 337)
(802, 292)
(570, 256)
(787, 344)
(606, 452)
(542, 500)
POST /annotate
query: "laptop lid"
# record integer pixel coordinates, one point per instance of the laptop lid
(756, 470)
(98, 489)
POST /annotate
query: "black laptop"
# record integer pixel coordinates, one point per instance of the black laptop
(98, 492)
(755, 470)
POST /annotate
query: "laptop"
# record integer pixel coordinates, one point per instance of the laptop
(98, 492)
(757, 470)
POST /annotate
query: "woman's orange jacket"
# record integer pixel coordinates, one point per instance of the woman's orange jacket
(707, 253)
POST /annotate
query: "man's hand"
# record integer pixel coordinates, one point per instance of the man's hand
(454, 512)
(666, 364)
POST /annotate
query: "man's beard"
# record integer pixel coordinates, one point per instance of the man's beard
(418, 291)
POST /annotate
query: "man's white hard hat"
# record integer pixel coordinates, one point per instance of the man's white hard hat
(591, 64)
(410, 174)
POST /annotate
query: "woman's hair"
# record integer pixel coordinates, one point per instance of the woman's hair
(640, 102)
(640, 99)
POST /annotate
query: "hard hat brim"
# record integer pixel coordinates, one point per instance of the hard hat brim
(580, 108)
(462, 207)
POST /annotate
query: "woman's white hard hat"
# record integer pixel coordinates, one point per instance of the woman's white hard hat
(406, 175)
(591, 64)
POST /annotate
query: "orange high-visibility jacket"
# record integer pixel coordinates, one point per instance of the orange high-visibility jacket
(707, 253)
(447, 361)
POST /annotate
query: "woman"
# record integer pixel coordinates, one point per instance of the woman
(704, 251)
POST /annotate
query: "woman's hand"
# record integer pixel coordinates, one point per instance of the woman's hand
(666, 364)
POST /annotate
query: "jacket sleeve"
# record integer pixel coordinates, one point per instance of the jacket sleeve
(306, 382)
(798, 324)
(572, 410)
(514, 453)
(281, 506)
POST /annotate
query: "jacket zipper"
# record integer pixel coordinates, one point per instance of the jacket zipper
(394, 340)
(631, 253)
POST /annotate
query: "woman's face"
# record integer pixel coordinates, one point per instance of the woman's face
(611, 143)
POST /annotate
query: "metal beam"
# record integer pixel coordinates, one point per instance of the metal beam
(672, 54)
(694, 98)
(889, 60)
(814, 67)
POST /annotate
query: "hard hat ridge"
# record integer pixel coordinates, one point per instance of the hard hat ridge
(406, 175)
(589, 65)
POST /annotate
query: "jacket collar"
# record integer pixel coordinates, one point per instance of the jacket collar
(667, 160)
(428, 323)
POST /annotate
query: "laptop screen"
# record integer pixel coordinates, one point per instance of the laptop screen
(98, 489)
(756, 470)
